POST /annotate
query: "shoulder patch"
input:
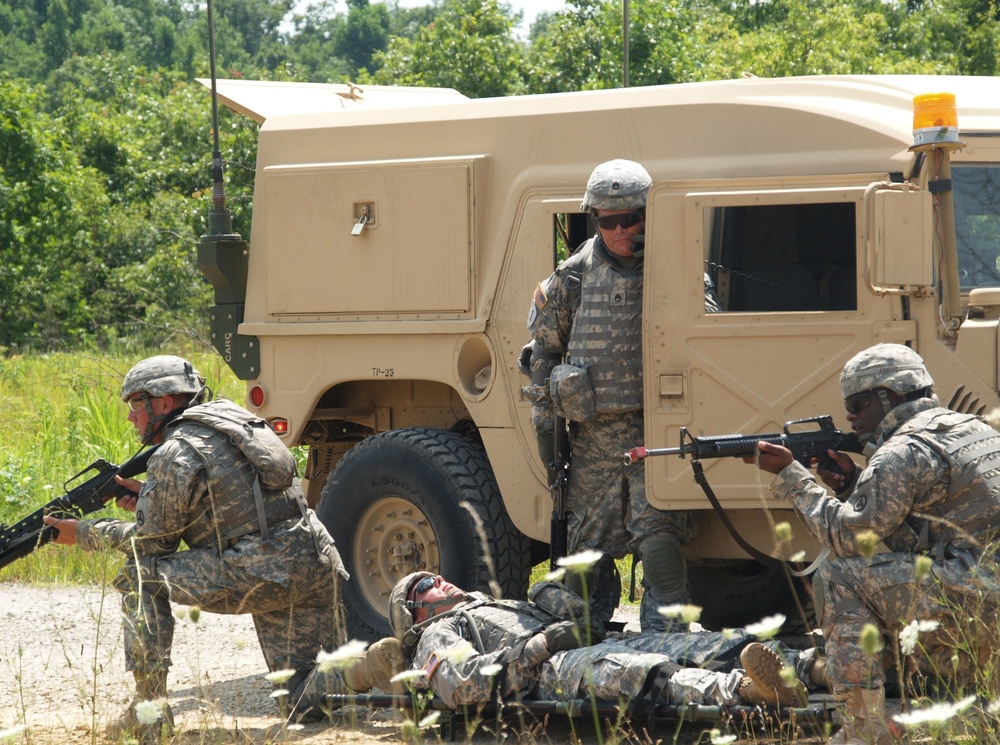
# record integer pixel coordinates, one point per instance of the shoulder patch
(431, 666)
(140, 518)
(540, 298)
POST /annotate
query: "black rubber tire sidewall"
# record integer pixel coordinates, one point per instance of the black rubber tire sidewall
(436, 471)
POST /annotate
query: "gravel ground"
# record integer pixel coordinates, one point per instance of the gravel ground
(62, 679)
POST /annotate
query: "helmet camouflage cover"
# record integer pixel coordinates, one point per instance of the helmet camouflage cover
(163, 375)
(892, 366)
(617, 185)
(400, 615)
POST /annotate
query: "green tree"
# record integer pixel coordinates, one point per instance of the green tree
(365, 33)
(470, 47)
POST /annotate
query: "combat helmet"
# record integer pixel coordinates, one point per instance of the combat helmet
(617, 185)
(400, 614)
(891, 366)
(163, 375)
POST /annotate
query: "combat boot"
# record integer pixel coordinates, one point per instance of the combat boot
(864, 719)
(148, 718)
(376, 668)
(763, 684)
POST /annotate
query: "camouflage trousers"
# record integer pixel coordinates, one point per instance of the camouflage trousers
(608, 508)
(884, 592)
(616, 671)
(292, 595)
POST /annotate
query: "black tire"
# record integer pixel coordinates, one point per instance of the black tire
(735, 595)
(394, 505)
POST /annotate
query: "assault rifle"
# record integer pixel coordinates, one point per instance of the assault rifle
(806, 444)
(559, 485)
(20, 539)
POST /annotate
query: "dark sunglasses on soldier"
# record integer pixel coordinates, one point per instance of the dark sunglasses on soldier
(625, 219)
(423, 586)
(856, 404)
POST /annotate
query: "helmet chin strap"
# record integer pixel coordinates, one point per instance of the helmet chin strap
(156, 422)
(455, 596)
(883, 397)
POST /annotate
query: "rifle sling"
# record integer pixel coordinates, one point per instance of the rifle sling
(760, 556)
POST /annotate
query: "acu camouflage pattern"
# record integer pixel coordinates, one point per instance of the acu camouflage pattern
(598, 325)
(931, 465)
(459, 673)
(893, 366)
(290, 582)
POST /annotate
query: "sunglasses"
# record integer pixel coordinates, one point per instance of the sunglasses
(137, 403)
(858, 402)
(626, 220)
(422, 586)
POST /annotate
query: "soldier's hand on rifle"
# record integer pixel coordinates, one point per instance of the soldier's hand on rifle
(65, 529)
(838, 481)
(771, 458)
(128, 502)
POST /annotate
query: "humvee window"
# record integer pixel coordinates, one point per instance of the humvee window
(783, 257)
(977, 224)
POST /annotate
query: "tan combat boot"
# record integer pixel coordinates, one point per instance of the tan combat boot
(148, 718)
(864, 719)
(376, 668)
(764, 684)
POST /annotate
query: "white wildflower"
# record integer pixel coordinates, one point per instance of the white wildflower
(459, 652)
(279, 693)
(675, 610)
(908, 634)
(430, 719)
(491, 670)
(765, 628)
(280, 676)
(935, 714)
(556, 575)
(408, 675)
(341, 657)
(149, 712)
(581, 561)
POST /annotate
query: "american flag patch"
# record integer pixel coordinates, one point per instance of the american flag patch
(431, 665)
(540, 298)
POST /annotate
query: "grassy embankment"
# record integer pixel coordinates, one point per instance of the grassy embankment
(58, 414)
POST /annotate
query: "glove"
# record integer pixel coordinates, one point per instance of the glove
(568, 635)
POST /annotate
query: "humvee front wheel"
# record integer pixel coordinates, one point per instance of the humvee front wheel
(417, 500)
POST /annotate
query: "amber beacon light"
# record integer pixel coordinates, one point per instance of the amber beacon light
(935, 119)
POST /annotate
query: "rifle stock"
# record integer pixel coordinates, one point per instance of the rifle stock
(23, 537)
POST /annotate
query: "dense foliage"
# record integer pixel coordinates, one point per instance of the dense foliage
(105, 136)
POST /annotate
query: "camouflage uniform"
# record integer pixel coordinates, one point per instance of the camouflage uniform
(590, 310)
(930, 488)
(200, 490)
(505, 634)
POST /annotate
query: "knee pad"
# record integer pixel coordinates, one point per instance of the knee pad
(663, 564)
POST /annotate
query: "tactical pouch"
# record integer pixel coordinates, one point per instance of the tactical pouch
(572, 393)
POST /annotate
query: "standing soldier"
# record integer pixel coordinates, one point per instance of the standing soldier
(223, 483)
(586, 366)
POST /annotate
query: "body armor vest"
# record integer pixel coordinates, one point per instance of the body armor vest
(503, 624)
(972, 450)
(606, 336)
(242, 502)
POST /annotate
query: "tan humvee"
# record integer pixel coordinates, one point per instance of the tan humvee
(398, 235)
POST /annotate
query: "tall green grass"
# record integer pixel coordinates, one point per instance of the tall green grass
(58, 414)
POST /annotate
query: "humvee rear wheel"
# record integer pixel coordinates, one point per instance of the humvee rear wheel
(410, 500)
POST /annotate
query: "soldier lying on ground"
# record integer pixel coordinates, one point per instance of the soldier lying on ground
(469, 645)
